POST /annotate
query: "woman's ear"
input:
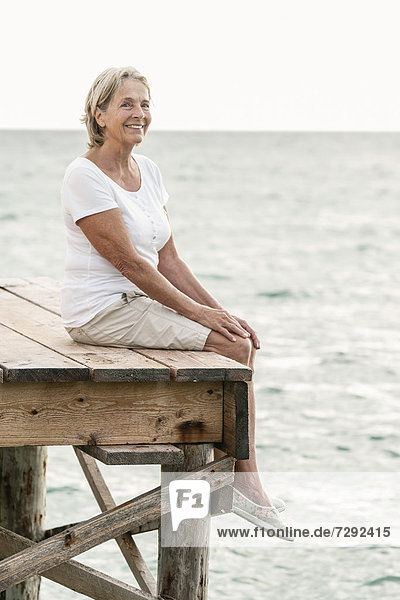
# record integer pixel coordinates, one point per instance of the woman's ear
(99, 116)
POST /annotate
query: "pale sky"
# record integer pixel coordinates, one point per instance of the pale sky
(212, 64)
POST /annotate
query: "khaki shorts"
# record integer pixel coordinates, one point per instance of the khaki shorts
(137, 321)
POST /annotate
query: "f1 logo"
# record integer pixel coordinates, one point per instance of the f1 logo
(189, 499)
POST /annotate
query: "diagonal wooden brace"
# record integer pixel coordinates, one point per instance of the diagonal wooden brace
(76, 576)
(125, 541)
(110, 524)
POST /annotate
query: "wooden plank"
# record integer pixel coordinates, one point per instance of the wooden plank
(110, 524)
(74, 575)
(186, 365)
(220, 502)
(126, 543)
(149, 526)
(236, 421)
(54, 530)
(138, 454)
(83, 413)
(43, 291)
(104, 363)
(23, 360)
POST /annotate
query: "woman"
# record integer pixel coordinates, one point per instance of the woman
(125, 284)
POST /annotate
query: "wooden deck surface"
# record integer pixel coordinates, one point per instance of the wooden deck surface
(34, 347)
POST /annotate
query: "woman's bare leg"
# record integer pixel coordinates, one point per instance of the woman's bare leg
(243, 351)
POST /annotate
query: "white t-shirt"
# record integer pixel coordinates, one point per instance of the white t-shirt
(91, 282)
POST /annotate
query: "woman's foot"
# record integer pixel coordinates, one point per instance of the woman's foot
(239, 500)
(249, 484)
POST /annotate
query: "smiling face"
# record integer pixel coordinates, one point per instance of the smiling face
(127, 118)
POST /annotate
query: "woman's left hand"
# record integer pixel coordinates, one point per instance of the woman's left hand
(253, 335)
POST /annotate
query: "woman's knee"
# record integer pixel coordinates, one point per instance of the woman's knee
(239, 350)
(252, 357)
(243, 350)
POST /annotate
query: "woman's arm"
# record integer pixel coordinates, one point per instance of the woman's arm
(179, 274)
(173, 268)
(107, 233)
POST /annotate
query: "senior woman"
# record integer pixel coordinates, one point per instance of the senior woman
(125, 284)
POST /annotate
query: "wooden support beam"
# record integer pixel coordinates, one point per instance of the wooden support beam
(23, 503)
(236, 425)
(84, 413)
(220, 503)
(74, 575)
(126, 544)
(110, 524)
(137, 454)
(149, 526)
(183, 571)
(54, 530)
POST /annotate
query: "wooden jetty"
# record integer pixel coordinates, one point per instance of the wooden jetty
(117, 406)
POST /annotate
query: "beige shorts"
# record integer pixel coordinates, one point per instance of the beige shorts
(137, 321)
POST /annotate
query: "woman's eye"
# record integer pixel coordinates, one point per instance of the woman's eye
(146, 105)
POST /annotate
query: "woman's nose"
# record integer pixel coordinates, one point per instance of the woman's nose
(138, 112)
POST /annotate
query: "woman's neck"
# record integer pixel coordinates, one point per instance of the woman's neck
(111, 158)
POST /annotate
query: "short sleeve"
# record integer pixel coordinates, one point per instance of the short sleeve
(84, 193)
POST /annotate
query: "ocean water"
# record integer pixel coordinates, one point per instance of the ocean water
(299, 233)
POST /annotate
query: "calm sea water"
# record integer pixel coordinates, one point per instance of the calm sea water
(299, 233)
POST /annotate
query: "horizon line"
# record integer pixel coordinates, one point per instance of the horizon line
(73, 129)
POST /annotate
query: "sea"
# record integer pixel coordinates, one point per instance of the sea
(299, 234)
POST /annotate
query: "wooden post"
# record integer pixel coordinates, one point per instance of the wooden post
(23, 504)
(183, 571)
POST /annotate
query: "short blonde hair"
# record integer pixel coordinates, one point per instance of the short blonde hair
(101, 91)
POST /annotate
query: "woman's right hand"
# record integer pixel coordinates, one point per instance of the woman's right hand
(222, 321)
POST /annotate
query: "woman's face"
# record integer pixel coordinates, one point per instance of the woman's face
(127, 117)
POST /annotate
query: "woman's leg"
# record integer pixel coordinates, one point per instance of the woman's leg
(244, 352)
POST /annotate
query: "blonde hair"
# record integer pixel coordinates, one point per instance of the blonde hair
(101, 91)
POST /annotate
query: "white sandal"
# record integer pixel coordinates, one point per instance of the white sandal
(266, 517)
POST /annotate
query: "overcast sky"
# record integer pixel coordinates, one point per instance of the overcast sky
(212, 64)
